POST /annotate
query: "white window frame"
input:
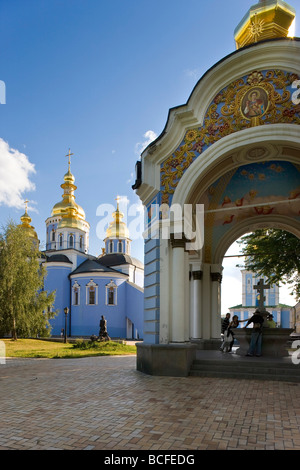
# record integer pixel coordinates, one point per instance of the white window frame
(108, 286)
(87, 293)
(75, 286)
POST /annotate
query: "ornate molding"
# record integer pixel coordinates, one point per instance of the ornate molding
(260, 98)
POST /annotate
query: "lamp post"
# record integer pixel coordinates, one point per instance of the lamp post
(66, 310)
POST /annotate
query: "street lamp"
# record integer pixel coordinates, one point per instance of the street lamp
(66, 310)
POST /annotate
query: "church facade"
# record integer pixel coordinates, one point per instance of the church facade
(282, 314)
(226, 163)
(90, 286)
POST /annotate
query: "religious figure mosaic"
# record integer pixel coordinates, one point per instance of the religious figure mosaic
(263, 97)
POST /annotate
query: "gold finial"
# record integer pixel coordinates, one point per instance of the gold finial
(265, 20)
(117, 228)
(69, 158)
(26, 205)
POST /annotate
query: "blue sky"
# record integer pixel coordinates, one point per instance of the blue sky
(98, 77)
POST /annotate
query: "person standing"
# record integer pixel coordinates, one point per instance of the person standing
(270, 323)
(256, 335)
(224, 327)
(234, 324)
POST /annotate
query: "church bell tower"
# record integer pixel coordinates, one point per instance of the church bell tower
(67, 227)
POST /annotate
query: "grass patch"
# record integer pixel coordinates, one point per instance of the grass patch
(33, 348)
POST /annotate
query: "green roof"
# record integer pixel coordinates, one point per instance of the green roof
(255, 306)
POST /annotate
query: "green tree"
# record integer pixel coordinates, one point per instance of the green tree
(24, 305)
(275, 254)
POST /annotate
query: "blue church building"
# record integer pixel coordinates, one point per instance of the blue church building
(90, 286)
(282, 314)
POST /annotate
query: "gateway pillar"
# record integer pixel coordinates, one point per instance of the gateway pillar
(196, 310)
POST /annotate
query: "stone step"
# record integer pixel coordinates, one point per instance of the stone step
(246, 365)
(244, 376)
(247, 370)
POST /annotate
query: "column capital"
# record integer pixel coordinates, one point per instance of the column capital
(216, 277)
(178, 242)
(197, 275)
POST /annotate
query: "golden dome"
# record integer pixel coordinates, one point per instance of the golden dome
(72, 214)
(267, 19)
(25, 225)
(117, 228)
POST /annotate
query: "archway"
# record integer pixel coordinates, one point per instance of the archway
(239, 297)
(245, 172)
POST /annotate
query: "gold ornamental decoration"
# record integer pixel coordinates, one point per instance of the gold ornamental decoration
(260, 98)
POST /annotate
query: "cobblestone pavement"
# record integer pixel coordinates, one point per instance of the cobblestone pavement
(104, 403)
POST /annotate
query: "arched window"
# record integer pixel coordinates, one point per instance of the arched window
(111, 247)
(111, 293)
(120, 247)
(91, 293)
(76, 294)
(53, 235)
(81, 242)
(71, 241)
(60, 240)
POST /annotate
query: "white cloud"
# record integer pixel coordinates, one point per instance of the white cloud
(130, 180)
(192, 73)
(149, 137)
(123, 200)
(15, 172)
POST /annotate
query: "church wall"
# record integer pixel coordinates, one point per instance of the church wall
(151, 291)
(85, 318)
(134, 309)
(139, 277)
(285, 318)
(80, 259)
(77, 236)
(50, 243)
(57, 279)
(249, 289)
(112, 246)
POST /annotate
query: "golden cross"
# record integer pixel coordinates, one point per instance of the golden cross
(69, 156)
(26, 205)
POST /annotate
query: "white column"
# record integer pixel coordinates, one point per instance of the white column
(216, 278)
(165, 317)
(187, 300)
(196, 311)
(178, 291)
(206, 302)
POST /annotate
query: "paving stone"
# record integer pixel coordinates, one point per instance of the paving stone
(104, 403)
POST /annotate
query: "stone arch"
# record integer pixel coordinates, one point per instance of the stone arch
(280, 222)
(250, 147)
(275, 141)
